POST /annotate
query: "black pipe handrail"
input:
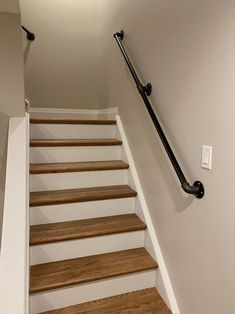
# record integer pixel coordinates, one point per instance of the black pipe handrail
(30, 36)
(197, 188)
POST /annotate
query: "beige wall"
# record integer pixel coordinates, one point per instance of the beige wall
(61, 64)
(11, 86)
(3, 157)
(10, 6)
(11, 65)
(186, 48)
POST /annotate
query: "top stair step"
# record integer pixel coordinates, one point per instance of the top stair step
(72, 129)
(80, 142)
(72, 121)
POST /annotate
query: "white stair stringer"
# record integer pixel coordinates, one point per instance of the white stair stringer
(46, 253)
(72, 131)
(73, 180)
(55, 299)
(151, 242)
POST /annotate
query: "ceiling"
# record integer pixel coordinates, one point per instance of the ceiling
(11, 6)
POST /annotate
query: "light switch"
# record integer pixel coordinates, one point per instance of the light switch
(207, 157)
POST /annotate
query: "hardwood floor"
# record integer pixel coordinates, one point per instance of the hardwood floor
(146, 301)
(76, 271)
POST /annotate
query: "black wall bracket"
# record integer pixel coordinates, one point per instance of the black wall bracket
(148, 89)
(29, 35)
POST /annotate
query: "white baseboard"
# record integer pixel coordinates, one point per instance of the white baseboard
(107, 113)
(151, 230)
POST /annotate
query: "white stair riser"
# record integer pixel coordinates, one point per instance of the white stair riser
(70, 131)
(92, 291)
(86, 247)
(74, 154)
(78, 211)
(60, 181)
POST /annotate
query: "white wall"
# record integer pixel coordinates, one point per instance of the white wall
(61, 64)
(186, 48)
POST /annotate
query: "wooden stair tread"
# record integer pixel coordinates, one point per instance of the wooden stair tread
(76, 142)
(147, 301)
(55, 197)
(76, 271)
(78, 166)
(72, 230)
(72, 121)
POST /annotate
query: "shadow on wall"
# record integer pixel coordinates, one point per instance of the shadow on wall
(27, 51)
(4, 122)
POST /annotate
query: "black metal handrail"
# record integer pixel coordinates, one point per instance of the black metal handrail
(30, 36)
(197, 188)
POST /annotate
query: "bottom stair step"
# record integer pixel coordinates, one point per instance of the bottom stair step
(146, 301)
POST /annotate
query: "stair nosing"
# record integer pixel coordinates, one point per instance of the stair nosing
(69, 167)
(72, 121)
(74, 143)
(73, 199)
(137, 225)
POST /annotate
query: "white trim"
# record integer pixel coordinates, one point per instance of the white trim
(14, 250)
(27, 264)
(108, 110)
(74, 111)
(152, 233)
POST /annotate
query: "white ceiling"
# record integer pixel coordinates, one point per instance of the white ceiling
(11, 6)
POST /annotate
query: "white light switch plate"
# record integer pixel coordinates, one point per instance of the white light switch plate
(207, 157)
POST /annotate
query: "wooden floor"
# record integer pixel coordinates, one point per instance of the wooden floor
(80, 195)
(61, 143)
(139, 302)
(72, 230)
(78, 166)
(76, 271)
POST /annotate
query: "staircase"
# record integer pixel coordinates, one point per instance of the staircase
(87, 243)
